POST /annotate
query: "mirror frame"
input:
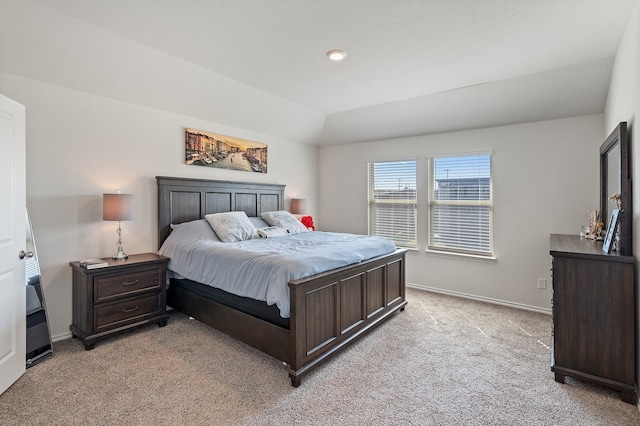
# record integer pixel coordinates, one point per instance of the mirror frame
(38, 332)
(617, 137)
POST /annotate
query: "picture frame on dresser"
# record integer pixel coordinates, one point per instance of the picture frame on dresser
(612, 226)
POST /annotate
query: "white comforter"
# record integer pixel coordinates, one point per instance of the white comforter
(262, 268)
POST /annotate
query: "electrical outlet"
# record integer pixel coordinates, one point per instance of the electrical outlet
(542, 283)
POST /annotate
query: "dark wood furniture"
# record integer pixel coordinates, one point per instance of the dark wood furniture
(118, 297)
(593, 314)
(615, 178)
(328, 311)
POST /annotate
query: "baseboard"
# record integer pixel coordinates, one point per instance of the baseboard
(481, 298)
(62, 336)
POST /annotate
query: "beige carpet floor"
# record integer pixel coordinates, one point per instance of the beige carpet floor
(443, 361)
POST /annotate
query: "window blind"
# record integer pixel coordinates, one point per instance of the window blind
(392, 201)
(461, 204)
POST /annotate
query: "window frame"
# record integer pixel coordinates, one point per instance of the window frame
(372, 201)
(432, 204)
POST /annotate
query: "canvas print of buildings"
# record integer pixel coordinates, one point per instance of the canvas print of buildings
(224, 152)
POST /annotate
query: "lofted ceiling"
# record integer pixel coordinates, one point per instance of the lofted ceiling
(413, 66)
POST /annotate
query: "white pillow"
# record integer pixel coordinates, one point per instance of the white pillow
(188, 231)
(284, 219)
(272, 231)
(232, 226)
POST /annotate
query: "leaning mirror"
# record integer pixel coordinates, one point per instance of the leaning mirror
(615, 179)
(39, 345)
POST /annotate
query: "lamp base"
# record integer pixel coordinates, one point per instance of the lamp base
(120, 255)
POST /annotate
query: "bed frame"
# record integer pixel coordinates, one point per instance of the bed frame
(328, 311)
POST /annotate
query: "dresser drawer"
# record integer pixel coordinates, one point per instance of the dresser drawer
(133, 309)
(111, 286)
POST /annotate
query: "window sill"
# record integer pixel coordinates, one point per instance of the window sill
(409, 249)
(462, 256)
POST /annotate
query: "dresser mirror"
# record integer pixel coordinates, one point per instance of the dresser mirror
(615, 179)
(39, 345)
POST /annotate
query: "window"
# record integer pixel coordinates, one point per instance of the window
(461, 204)
(392, 201)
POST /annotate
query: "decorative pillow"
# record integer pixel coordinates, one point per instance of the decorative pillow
(285, 220)
(199, 228)
(272, 231)
(231, 226)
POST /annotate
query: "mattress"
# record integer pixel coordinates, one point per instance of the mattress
(262, 268)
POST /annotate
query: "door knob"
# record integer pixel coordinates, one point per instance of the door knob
(24, 254)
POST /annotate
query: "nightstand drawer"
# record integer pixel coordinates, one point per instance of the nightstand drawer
(109, 286)
(131, 309)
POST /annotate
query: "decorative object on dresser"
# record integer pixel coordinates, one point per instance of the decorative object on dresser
(594, 228)
(328, 311)
(123, 295)
(609, 243)
(117, 207)
(593, 314)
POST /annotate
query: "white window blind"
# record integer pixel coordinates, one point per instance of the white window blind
(392, 201)
(461, 204)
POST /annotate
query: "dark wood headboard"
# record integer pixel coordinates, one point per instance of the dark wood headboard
(184, 199)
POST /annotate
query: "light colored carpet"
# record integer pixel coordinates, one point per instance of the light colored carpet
(443, 361)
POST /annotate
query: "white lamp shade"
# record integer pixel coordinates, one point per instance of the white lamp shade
(117, 207)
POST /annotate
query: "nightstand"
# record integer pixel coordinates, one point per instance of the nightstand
(118, 297)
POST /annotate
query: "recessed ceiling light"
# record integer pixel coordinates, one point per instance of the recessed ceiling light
(336, 55)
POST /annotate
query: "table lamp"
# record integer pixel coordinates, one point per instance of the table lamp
(118, 207)
(298, 206)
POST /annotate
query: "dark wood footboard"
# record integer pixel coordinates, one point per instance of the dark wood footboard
(330, 310)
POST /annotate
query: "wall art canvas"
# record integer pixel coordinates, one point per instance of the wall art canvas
(224, 152)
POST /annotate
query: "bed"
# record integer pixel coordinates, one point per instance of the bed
(328, 310)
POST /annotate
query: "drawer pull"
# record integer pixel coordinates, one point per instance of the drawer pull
(126, 283)
(129, 310)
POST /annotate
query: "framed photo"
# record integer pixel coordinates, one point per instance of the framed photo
(611, 231)
(224, 152)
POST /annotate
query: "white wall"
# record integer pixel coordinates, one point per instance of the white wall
(105, 113)
(623, 104)
(545, 179)
(42, 44)
(81, 145)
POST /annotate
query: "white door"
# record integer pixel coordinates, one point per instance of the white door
(12, 241)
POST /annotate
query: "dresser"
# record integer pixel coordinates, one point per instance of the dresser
(593, 314)
(118, 297)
